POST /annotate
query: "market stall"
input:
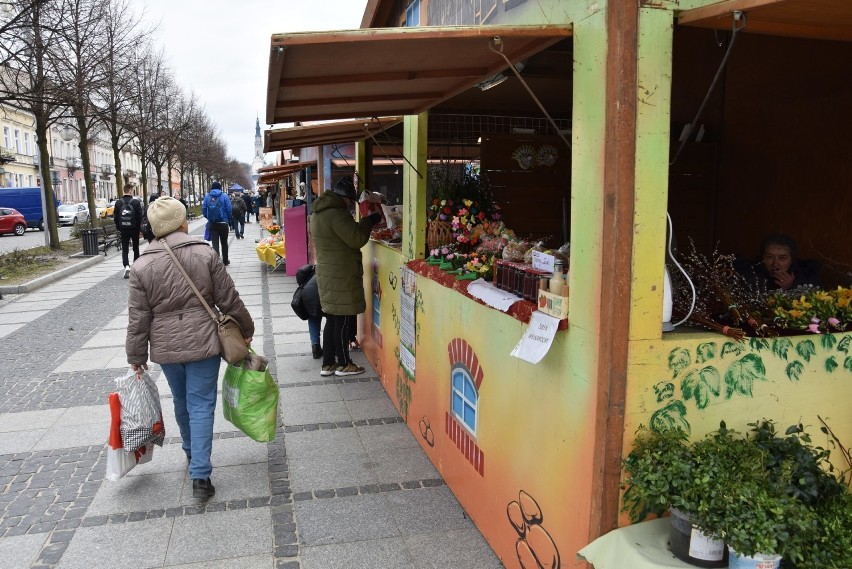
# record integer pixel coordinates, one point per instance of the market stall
(533, 450)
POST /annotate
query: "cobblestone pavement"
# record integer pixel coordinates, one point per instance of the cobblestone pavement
(344, 484)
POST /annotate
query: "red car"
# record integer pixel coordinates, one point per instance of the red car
(11, 221)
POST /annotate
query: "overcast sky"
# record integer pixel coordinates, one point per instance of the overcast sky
(220, 50)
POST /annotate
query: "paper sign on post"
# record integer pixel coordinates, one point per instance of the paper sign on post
(542, 261)
(538, 338)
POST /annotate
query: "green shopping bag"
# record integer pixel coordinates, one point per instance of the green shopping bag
(250, 401)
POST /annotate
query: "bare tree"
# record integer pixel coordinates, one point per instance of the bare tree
(15, 18)
(116, 95)
(81, 59)
(28, 86)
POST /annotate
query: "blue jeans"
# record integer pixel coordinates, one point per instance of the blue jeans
(314, 324)
(193, 386)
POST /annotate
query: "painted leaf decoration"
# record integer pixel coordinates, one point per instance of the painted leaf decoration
(831, 364)
(700, 385)
(780, 347)
(705, 352)
(828, 341)
(679, 360)
(741, 375)
(806, 349)
(731, 348)
(672, 416)
(758, 344)
(843, 346)
(794, 370)
(847, 363)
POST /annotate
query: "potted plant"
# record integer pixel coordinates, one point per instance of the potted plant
(665, 474)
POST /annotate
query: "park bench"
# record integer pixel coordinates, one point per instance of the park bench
(108, 236)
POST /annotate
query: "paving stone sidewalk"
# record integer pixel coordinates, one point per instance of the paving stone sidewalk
(344, 485)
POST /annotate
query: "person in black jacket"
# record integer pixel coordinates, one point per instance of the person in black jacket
(249, 202)
(127, 215)
(306, 305)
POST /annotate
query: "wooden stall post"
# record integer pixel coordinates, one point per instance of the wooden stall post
(414, 187)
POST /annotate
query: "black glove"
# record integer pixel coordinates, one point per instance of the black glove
(374, 218)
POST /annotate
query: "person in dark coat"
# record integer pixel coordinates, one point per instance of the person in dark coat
(248, 201)
(238, 215)
(306, 305)
(778, 265)
(338, 239)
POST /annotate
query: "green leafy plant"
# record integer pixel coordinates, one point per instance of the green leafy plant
(658, 472)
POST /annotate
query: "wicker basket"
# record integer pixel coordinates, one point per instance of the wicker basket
(438, 233)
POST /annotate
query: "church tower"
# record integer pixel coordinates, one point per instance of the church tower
(258, 141)
(258, 161)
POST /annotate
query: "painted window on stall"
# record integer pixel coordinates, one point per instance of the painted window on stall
(464, 398)
(412, 14)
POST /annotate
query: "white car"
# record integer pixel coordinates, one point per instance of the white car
(72, 214)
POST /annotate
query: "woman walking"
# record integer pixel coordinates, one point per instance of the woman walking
(165, 314)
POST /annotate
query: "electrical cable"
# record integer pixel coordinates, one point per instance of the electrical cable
(738, 17)
(370, 134)
(499, 42)
(691, 285)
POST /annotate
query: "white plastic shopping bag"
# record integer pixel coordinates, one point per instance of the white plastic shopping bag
(119, 462)
(141, 414)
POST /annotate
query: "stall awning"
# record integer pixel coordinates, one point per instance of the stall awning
(271, 174)
(325, 133)
(817, 19)
(389, 71)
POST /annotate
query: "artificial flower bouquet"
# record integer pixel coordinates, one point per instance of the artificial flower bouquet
(811, 309)
(274, 229)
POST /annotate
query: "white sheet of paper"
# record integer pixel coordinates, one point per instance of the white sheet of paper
(537, 339)
(491, 295)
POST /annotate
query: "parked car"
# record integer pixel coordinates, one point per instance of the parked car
(28, 202)
(11, 221)
(72, 214)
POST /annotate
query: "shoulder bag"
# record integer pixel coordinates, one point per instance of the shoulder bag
(232, 344)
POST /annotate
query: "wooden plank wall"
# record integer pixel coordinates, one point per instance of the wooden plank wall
(531, 198)
(780, 124)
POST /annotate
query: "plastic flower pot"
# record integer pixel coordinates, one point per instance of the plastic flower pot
(689, 544)
(758, 561)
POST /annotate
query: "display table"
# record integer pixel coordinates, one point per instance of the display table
(272, 254)
(638, 546)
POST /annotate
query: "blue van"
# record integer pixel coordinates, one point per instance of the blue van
(28, 202)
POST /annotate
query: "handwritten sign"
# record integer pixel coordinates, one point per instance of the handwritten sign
(542, 261)
(537, 339)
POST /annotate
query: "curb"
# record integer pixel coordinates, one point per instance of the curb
(45, 280)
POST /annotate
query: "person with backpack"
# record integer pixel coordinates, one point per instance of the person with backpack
(216, 207)
(127, 215)
(238, 215)
(306, 305)
(145, 227)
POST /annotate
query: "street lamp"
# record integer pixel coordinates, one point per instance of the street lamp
(67, 132)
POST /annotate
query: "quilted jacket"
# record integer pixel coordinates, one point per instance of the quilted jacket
(338, 239)
(164, 311)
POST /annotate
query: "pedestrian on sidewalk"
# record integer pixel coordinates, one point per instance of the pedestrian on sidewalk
(255, 204)
(127, 214)
(248, 203)
(306, 305)
(238, 215)
(166, 314)
(216, 207)
(338, 239)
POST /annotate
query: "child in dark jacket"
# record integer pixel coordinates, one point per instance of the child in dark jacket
(306, 305)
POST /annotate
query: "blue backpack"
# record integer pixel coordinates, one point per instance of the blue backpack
(215, 210)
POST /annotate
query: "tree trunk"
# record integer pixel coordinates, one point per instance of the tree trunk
(119, 177)
(49, 223)
(83, 128)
